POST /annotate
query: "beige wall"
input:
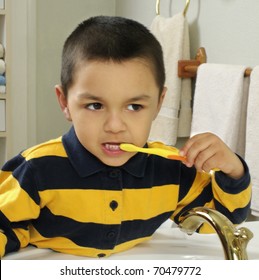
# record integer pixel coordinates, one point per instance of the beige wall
(38, 31)
(55, 20)
(228, 29)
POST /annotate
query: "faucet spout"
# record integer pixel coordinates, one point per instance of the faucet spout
(233, 240)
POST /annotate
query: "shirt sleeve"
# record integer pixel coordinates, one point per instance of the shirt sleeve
(232, 197)
(215, 190)
(19, 203)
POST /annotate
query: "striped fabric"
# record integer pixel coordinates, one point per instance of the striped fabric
(57, 195)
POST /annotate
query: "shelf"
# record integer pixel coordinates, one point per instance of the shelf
(3, 96)
(189, 68)
(2, 134)
(5, 40)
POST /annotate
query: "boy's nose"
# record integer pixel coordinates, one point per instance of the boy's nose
(114, 123)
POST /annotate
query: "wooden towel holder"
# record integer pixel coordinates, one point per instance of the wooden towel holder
(188, 68)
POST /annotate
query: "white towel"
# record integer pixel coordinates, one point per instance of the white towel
(1, 51)
(252, 138)
(241, 144)
(2, 89)
(220, 103)
(2, 66)
(185, 114)
(173, 35)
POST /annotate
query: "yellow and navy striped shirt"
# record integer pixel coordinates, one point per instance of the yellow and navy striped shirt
(57, 195)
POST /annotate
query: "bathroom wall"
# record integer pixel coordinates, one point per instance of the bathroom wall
(58, 18)
(38, 30)
(228, 29)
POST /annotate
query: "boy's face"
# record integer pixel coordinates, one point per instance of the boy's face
(111, 103)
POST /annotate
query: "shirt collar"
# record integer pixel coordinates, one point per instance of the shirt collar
(87, 164)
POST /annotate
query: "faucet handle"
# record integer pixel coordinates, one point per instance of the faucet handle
(243, 236)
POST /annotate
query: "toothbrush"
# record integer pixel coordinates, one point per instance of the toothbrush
(155, 148)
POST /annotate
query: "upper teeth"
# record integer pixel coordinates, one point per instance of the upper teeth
(113, 147)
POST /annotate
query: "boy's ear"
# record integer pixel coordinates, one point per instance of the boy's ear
(160, 101)
(62, 100)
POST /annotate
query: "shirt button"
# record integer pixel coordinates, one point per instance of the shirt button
(110, 234)
(114, 173)
(101, 255)
(113, 204)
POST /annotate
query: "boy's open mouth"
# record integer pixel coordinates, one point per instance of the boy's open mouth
(112, 146)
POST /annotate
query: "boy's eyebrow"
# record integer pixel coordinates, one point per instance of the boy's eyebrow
(139, 97)
(86, 95)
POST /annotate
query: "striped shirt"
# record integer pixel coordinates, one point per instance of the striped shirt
(58, 195)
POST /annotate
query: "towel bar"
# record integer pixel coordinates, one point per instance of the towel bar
(184, 11)
(188, 68)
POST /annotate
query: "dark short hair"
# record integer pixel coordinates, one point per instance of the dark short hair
(110, 38)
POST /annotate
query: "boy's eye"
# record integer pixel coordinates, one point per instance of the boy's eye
(94, 106)
(135, 107)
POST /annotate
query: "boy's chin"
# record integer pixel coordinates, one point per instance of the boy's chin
(115, 162)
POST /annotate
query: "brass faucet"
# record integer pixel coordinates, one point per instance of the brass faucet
(233, 240)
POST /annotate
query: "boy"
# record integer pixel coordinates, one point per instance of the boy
(80, 194)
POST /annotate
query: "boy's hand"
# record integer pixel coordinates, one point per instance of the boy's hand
(207, 151)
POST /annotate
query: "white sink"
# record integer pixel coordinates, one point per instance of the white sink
(167, 244)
